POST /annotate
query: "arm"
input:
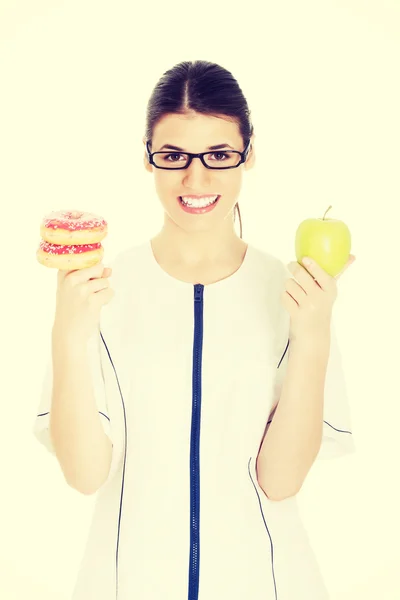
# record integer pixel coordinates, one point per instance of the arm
(294, 437)
(82, 448)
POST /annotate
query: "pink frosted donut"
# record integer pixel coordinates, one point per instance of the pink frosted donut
(69, 257)
(70, 227)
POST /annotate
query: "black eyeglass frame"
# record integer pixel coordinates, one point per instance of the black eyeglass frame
(243, 157)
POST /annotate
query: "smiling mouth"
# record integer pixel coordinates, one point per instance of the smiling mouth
(195, 203)
(194, 208)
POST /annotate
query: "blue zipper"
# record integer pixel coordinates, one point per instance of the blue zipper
(194, 561)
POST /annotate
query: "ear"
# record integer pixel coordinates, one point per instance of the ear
(146, 163)
(251, 157)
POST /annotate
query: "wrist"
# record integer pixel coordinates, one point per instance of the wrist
(66, 339)
(314, 344)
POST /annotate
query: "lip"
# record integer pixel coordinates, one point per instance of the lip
(198, 211)
(198, 195)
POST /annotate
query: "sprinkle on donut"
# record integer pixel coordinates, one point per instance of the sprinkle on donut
(73, 220)
(71, 239)
(64, 249)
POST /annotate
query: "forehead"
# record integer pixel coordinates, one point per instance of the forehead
(196, 131)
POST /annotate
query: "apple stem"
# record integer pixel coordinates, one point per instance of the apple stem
(326, 212)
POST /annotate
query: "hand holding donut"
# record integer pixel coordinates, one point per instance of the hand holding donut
(80, 297)
(71, 244)
(71, 240)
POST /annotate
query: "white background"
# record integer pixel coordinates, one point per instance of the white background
(322, 82)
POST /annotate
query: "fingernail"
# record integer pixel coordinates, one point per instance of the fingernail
(307, 261)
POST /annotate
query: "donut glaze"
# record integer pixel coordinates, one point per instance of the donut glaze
(72, 227)
(69, 257)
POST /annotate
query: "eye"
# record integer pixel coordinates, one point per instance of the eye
(220, 153)
(168, 155)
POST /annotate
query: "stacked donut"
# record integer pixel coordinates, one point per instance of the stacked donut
(71, 240)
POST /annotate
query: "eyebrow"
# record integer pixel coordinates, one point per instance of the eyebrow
(217, 147)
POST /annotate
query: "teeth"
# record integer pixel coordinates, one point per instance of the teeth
(198, 202)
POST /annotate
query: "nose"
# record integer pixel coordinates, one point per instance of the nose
(196, 174)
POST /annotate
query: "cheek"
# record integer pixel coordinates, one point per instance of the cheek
(166, 184)
(231, 185)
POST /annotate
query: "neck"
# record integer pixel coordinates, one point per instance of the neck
(198, 247)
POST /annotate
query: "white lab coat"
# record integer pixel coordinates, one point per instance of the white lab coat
(185, 394)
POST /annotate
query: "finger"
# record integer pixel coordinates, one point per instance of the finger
(295, 290)
(107, 272)
(96, 285)
(303, 277)
(61, 275)
(103, 296)
(317, 273)
(352, 259)
(80, 275)
(288, 301)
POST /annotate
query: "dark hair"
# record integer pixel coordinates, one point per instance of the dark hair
(202, 87)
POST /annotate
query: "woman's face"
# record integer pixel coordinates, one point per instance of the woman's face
(196, 133)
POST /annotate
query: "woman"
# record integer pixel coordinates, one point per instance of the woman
(186, 375)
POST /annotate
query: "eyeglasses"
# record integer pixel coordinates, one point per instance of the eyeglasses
(232, 159)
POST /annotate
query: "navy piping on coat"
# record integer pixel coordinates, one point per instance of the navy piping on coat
(123, 475)
(47, 413)
(259, 500)
(279, 364)
(194, 561)
(266, 527)
(123, 471)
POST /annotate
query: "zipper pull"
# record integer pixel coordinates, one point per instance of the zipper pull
(198, 292)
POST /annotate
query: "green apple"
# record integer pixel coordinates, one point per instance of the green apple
(327, 241)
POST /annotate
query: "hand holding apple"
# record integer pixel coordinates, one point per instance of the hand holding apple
(309, 297)
(327, 241)
(310, 294)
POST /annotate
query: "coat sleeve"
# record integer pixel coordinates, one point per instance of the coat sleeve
(337, 435)
(42, 418)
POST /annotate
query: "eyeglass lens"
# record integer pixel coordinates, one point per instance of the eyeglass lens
(215, 160)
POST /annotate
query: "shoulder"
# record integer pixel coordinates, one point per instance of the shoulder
(129, 262)
(271, 273)
(128, 270)
(269, 267)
